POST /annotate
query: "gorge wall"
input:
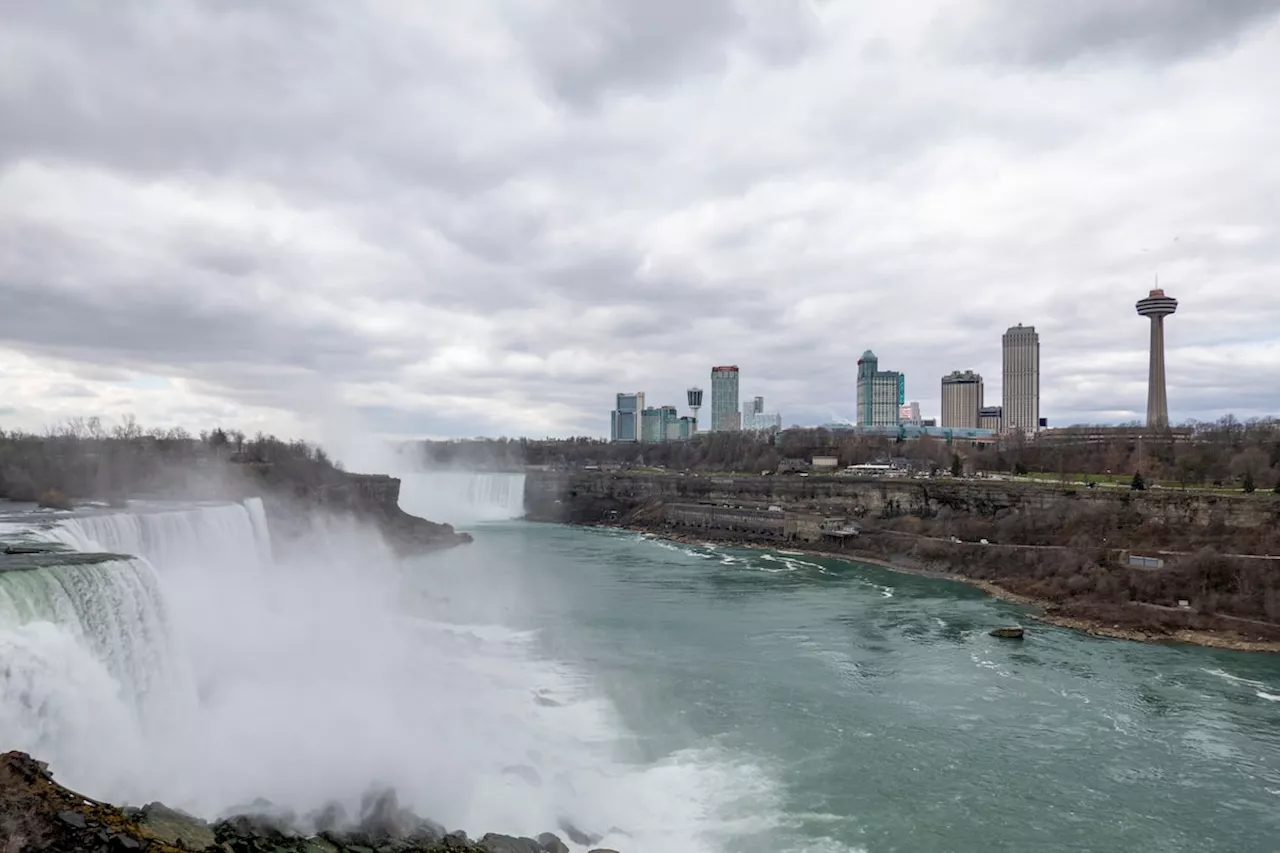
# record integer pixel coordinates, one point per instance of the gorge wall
(591, 496)
(1156, 564)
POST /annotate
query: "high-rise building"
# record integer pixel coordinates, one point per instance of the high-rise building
(724, 398)
(991, 417)
(961, 399)
(1157, 306)
(624, 420)
(880, 392)
(910, 413)
(1021, 379)
(755, 418)
(694, 396)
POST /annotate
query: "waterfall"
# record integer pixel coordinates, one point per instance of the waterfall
(90, 661)
(463, 497)
(208, 537)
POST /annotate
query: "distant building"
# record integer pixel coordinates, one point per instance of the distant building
(624, 420)
(694, 396)
(929, 422)
(659, 424)
(909, 414)
(756, 419)
(991, 417)
(724, 398)
(961, 399)
(1021, 379)
(880, 392)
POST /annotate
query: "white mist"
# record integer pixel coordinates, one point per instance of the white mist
(311, 679)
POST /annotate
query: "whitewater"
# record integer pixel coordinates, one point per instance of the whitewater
(198, 669)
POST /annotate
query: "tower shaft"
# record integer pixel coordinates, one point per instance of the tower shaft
(1157, 397)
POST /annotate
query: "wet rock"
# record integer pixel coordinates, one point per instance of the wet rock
(551, 843)
(495, 843)
(175, 827)
(602, 850)
(1012, 632)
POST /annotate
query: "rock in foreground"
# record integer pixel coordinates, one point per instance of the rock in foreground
(37, 815)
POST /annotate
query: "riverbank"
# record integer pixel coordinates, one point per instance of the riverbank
(37, 815)
(1107, 629)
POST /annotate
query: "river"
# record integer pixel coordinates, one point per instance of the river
(663, 696)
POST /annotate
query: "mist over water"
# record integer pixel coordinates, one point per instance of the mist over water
(206, 673)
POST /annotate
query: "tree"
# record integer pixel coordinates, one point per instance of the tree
(1247, 485)
(1020, 468)
(957, 467)
(1138, 484)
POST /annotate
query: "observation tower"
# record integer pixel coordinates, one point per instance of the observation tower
(1157, 306)
(695, 403)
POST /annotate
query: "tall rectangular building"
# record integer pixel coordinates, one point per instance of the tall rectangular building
(961, 399)
(624, 420)
(881, 393)
(1021, 379)
(724, 398)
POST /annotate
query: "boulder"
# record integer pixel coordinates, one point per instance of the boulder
(1012, 632)
(495, 843)
(551, 843)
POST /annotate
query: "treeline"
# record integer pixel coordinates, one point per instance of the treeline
(1225, 453)
(84, 458)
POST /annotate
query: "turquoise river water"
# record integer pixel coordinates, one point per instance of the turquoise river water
(854, 708)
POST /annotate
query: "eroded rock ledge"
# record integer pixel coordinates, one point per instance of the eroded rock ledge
(37, 815)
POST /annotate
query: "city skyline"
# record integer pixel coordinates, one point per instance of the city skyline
(880, 398)
(573, 219)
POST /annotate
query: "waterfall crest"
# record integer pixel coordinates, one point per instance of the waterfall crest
(463, 497)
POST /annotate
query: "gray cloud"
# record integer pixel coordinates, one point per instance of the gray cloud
(1155, 31)
(491, 218)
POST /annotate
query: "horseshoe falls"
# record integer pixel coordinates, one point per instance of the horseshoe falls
(655, 696)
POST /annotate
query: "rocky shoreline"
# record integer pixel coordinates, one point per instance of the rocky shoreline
(37, 815)
(1046, 610)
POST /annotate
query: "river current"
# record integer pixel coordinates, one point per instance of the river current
(657, 696)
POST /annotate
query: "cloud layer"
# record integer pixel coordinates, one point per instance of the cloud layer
(489, 218)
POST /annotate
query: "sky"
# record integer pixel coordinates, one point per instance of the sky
(461, 219)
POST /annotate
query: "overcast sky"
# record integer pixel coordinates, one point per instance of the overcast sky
(447, 219)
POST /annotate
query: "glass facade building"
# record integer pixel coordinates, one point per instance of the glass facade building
(624, 420)
(724, 398)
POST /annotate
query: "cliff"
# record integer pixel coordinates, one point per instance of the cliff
(373, 498)
(1154, 562)
(37, 815)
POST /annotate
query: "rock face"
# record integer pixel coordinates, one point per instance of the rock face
(37, 815)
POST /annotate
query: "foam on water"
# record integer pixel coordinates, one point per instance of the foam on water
(204, 673)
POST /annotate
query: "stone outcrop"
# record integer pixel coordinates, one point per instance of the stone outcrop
(373, 498)
(37, 815)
